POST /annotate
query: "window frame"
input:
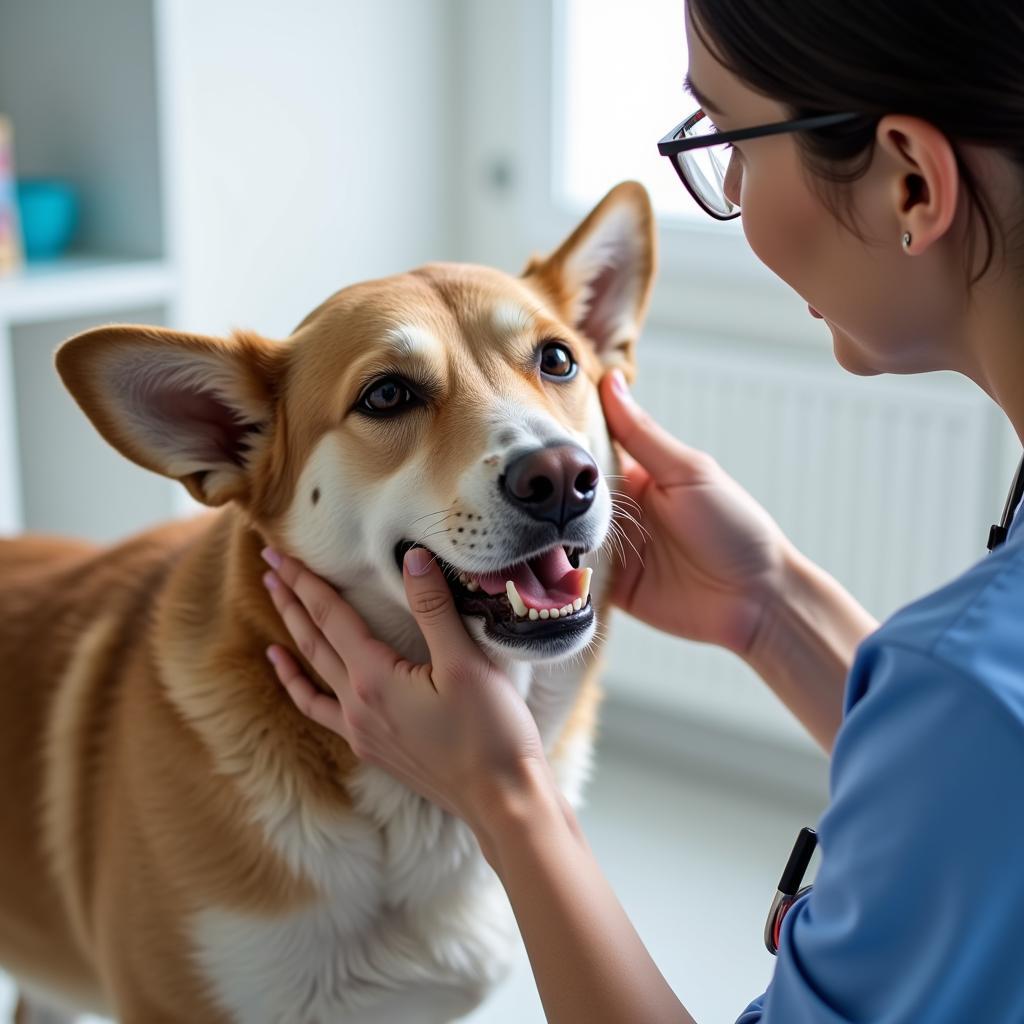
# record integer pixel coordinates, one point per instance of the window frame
(509, 161)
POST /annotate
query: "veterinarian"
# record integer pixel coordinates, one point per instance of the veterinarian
(897, 218)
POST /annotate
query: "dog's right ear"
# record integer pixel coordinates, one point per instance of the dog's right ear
(599, 279)
(194, 408)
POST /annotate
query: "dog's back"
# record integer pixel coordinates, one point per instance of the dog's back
(57, 596)
(37, 576)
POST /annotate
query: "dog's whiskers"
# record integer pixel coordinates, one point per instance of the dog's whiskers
(629, 517)
(625, 511)
(622, 547)
(623, 496)
(625, 536)
(634, 508)
(621, 512)
(614, 531)
(647, 538)
(427, 536)
(616, 535)
(440, 511)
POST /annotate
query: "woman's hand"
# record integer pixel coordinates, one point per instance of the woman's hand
(709, 559)
(455, 730)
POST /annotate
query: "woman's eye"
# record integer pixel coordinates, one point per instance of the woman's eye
(556, 361)
(387, 396)
(728, 146)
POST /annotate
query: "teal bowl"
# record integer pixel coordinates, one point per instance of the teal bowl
(48, 208)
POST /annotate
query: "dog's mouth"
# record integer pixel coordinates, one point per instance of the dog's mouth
(541, 597)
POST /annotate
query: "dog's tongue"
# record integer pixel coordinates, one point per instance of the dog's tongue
(545, 581)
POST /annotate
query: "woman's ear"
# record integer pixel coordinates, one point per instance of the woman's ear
(926, 181)
(599, 279)
(194, 408)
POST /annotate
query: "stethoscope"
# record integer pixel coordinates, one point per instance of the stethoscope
(789, 890)
(997, 535)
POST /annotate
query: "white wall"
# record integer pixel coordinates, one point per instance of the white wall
(72, 480)
(309, 145)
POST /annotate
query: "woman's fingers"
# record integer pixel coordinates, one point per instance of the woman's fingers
(666, 458)
(320, 650)
(331, 613)
(321, 708)
(452, 651)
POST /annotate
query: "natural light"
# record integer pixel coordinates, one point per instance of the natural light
(619, 88)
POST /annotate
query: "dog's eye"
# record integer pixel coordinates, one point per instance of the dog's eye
(556, 361)
(385, 396)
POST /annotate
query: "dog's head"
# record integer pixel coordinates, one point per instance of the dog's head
(454, 407)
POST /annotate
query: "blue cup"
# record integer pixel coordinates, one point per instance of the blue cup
(48, 208)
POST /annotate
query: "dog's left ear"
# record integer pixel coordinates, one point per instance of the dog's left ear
(195, 408)
(599, 279)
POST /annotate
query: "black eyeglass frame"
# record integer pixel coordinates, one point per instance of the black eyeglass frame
(672, 145)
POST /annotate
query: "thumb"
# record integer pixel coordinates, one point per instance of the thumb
(430, 599)
(664, 456)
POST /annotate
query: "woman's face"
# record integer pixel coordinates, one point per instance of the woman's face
(889, 312)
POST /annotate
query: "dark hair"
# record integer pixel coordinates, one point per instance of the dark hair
(955, 64)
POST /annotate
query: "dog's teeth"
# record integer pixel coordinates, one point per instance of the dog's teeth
(585, 590)
(523, 611)
(518, 604)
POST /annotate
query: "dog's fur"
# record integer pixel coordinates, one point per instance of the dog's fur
(179, 843)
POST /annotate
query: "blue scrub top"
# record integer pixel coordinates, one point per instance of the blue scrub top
(917, 912)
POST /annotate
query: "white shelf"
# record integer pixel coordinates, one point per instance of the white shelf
(98, 123)
(83, 286)
(65, 289)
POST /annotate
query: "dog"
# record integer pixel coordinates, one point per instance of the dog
(182, 846)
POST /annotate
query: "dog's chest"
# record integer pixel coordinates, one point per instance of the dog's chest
(412, 925)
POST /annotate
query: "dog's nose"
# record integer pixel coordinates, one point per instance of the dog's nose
(553, 484)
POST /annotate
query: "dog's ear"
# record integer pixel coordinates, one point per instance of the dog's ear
(599, 279)
(194, 408)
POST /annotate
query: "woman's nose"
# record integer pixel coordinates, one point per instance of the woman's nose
(733, 179)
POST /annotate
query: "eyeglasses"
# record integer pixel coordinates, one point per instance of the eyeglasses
(701, 154)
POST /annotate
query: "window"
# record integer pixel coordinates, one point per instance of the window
(619, 71)
(564, 99)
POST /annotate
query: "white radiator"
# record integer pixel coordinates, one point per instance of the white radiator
(889, 483)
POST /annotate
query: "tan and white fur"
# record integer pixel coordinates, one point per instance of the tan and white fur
(179, 844)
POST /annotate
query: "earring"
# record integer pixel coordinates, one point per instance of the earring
(906, 241)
